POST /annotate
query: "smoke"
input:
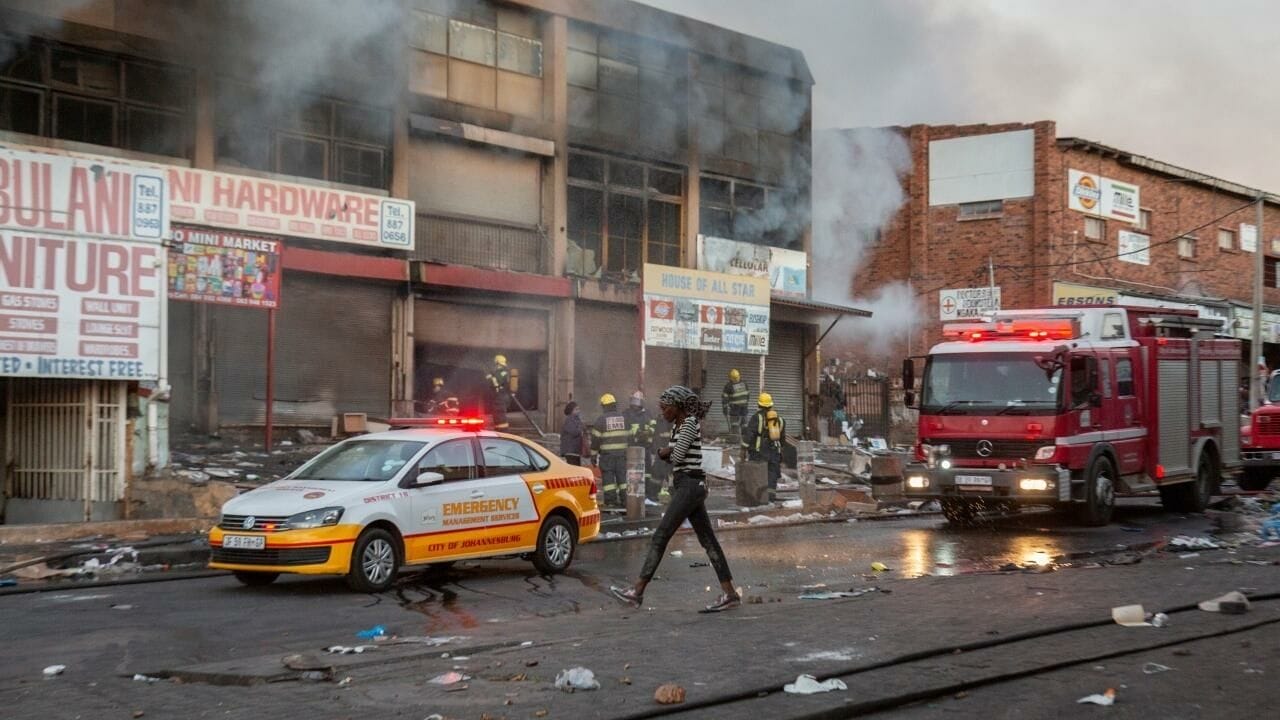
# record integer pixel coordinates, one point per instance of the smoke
(35, 17)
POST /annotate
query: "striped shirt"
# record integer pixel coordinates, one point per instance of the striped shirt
(686, 447)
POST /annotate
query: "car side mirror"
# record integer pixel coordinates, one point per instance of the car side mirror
(909, 398)
(427, 477)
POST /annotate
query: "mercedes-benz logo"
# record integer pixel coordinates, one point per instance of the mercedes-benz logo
(985, 448)
(250, 520)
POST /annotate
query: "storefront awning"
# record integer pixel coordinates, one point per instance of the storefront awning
(822, 307)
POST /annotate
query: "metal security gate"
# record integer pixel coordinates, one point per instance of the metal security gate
(783, 378)
(868, 398)
(64, 449)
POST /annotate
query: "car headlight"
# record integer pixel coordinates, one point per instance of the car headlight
(1047, 452)
(314, 518)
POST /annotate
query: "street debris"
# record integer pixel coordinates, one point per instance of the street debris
(121, 607)
(827, 655)
(879, 566)
(345, 650)
(808, 685)
(376, 631)
(1233, 603)
(577, 678)
(837, 594)
(1194, 543)
(450, 678)
(305, 661)
(316, 675)
(1152, 668)
(677, 553)
(527, 643)
(1160, 620)
(427, 640)
(1130, 616)
(8, 582)
(138, 677)
(54, 670)
(345, 681)
(1107, 698)
(669, 694)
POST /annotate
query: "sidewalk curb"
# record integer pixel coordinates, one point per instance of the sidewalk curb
(61, 532)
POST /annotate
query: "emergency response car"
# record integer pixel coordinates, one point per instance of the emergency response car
(442, 491)
(1071, 407)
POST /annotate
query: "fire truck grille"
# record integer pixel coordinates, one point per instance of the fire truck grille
(1000, 449)
(1268, 424)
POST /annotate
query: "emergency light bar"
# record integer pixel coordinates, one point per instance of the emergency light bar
(1014, 329)
(462, 423)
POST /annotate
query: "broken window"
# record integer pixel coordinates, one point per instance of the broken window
(749, 212)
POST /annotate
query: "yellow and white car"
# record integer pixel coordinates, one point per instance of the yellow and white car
(370, 505)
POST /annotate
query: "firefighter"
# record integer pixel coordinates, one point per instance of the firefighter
(763, 438)
(502, 381)
(441, 402)
(733, 402)
(609, 443)
(641, 431)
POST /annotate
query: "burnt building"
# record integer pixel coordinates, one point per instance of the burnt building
(403, 190)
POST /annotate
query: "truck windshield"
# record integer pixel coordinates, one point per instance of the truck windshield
(986, 383)
(360, 460)
(1273, 391)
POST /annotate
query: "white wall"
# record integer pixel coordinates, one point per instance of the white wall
(998, 166)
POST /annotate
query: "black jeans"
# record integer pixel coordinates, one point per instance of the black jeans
(688, 496)
(572, 459)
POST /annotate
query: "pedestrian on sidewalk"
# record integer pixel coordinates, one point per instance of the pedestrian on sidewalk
(684, 410)
(571, 438)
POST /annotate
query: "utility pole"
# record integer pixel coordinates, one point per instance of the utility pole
(1255, 345)
(991, 273)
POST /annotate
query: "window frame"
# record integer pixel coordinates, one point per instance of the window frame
(979, 210)
(1190, 241)
(734, 210)
(1230, 236)
(646, 195)
(501, 471)
(457, 22)
(1090, 221)
(1121, 383)
(1145, 216)
(469, 443)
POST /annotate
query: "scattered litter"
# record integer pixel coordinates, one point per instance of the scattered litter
(527, 643)
(373, 632)
(879, 566)
(1160, 620)
(345, 681)
(54, 670)
(836, 594)
(826, 655)
(449, 678)
(677, 553)
(699, 563)
(316, 675)
(8, 582)
(1182, 652)
(307, 661)
(1188, 556)
(121, 607)
(1194, 543)
(1130, 616)
(828, 481)
(344, 650)
(669, 694)
(145, 678)
(808, 685)
(578, 678)
(1154, 668)
(427, 640)
(793, 504)
(1106, 698)
(1233, 603)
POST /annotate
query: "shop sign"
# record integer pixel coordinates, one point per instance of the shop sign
(699, 310)
(1073, 294)
(251, 204)
(78, 307)
(786, 270)
(1134, 248)
(1102, 197)
(224, 268)
(51, 194)
(1248, 237)
(968, 303)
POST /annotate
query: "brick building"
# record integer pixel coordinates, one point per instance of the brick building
(538, 152)
(1059, 220)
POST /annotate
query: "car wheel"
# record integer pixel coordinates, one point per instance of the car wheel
(960, 512)
(1192, 496)
(1099, 493)
(255, 579)
(1254, 479)
(557, 541)
(375, 560)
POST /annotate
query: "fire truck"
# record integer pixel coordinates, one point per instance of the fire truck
(1260, 441)
(1070, 407)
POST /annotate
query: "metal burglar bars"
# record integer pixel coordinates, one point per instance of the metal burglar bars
(481, 243)
(87, 415)
(868, 398)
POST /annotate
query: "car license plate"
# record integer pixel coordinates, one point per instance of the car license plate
(1275, 456)
(244, 542)
(973, 480)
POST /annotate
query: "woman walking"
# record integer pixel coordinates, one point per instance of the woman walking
(682, 408)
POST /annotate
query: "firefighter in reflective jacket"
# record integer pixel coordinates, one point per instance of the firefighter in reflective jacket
(502, 380)
(642, 430)
(609, 443)
(763, 439)
(442, 401)
(733, 402)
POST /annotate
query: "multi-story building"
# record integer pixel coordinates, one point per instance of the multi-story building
(401, 192)
(1040, 219)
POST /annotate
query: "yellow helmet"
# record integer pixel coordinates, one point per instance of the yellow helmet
(500, 359)
(734, 375)
(766, 400)
(608, 399)
(437, 382)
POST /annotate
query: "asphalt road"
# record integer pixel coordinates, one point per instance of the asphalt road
(103, 634)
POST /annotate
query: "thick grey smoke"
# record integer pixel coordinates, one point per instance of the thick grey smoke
(35, 17)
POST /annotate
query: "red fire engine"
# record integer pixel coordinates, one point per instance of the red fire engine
(1072, 406)
(1260, 441)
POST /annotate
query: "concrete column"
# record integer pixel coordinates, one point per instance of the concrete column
(555, 44)
(205, 135)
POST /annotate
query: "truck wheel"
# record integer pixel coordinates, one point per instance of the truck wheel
(959, 512)
(1192, 496)
(1254, 479)
(375, 560)
(255, 579)
(556, 543)
(1099, 493)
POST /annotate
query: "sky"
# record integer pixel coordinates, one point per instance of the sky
(1188, 82)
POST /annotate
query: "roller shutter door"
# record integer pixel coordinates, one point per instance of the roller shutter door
(783, 378)
(332, 355)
